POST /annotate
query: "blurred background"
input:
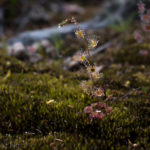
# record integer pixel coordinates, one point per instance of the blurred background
(99, 17)
(20, 15)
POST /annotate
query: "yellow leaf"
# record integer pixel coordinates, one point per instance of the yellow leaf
(7, 75)
(50, 101)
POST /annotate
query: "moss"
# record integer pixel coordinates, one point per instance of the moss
(41, 106)
(126, 54)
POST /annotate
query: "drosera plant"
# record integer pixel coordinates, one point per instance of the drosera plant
(84, 56)
(144, 16)
(139, 36)
(92, 70)
(97, 110)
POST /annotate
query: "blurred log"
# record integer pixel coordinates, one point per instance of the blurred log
(116, 9)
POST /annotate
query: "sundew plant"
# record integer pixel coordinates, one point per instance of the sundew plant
(84, 55)
(139, 36)
(96, 110)
(144, 14)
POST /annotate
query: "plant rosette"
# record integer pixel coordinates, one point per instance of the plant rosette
(97, 110)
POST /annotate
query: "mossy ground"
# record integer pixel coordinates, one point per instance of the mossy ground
(41, 106)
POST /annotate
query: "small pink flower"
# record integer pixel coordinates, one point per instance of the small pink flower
(88, 109)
